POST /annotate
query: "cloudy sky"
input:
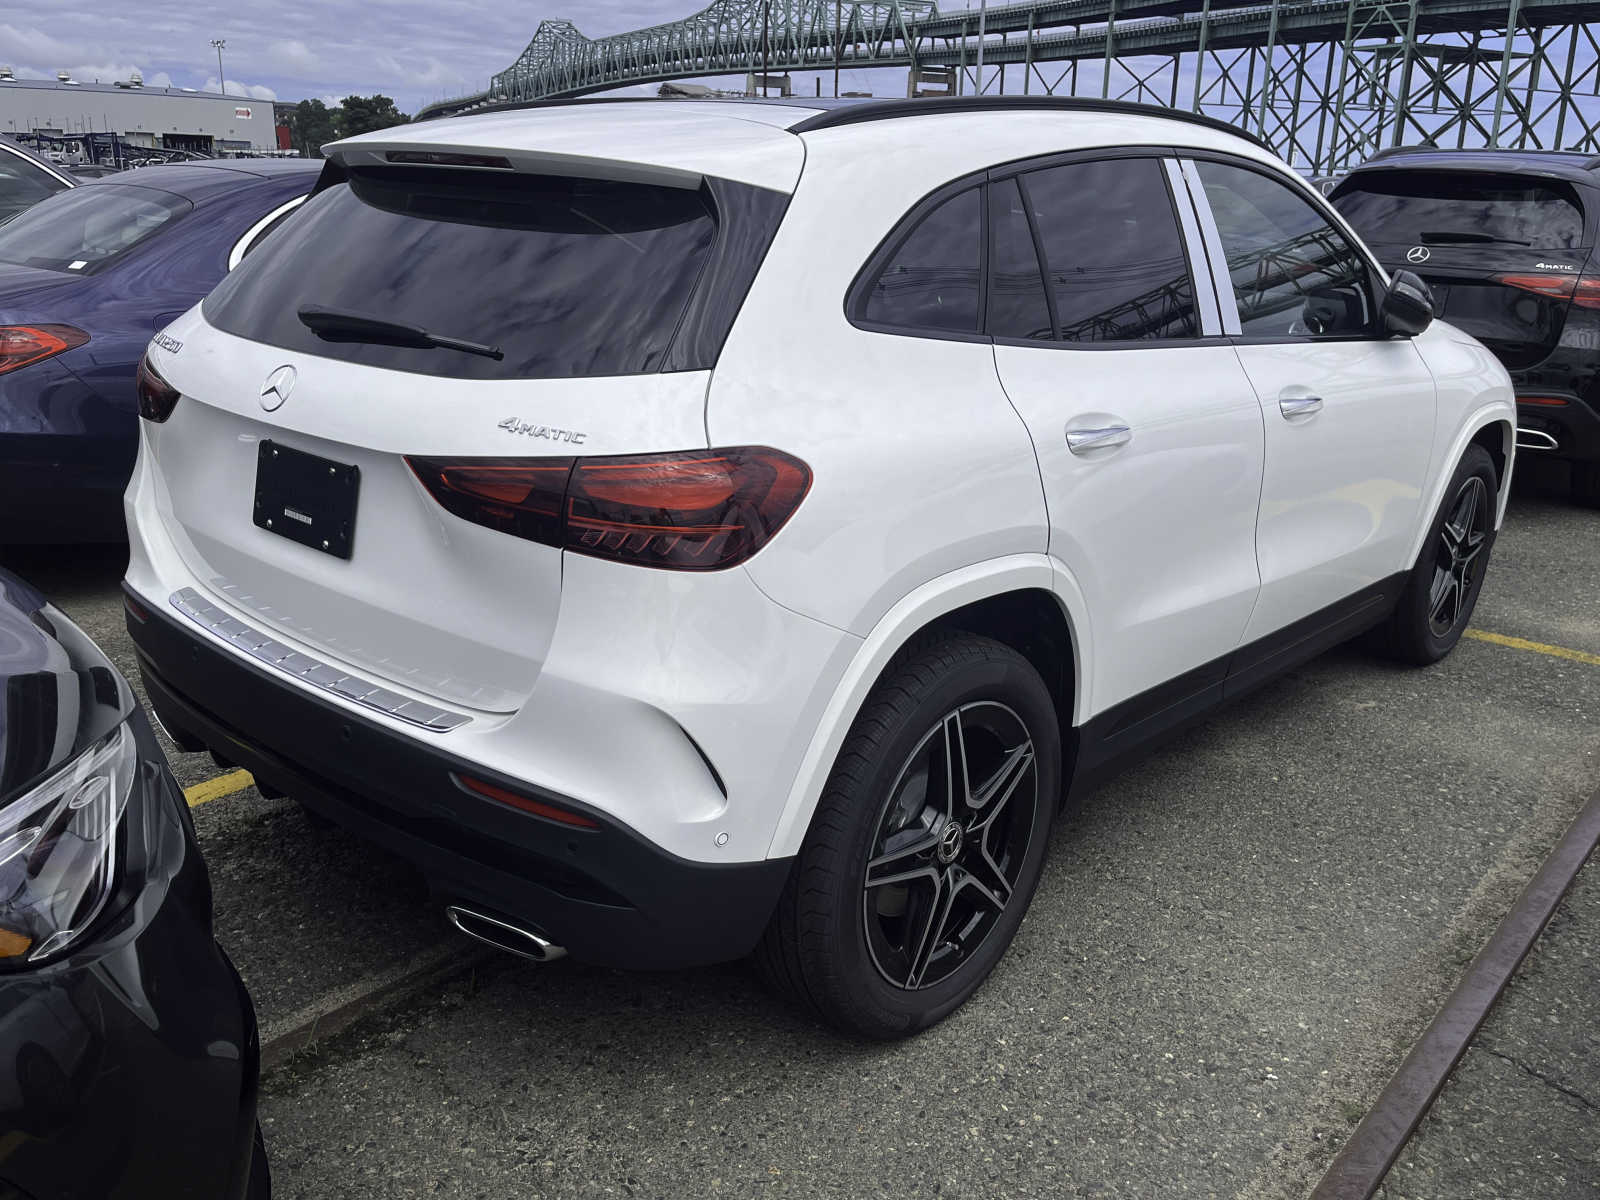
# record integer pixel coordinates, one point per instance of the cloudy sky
(413, 50)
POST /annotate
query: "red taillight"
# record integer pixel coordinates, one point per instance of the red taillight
(527, 804)
(521, 496)
(1582, 290)
(24, 344)
(698, 510)
(157, 397)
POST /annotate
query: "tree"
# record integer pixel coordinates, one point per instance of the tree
(363, 114)
(311, 127)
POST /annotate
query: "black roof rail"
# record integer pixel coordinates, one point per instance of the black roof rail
(888, 110)
(854, 111)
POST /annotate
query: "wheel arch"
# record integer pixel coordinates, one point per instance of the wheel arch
(1027, 601)
(1494, 427)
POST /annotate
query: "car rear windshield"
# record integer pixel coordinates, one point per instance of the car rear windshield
(1435, 208)
(87, 227)
(562, 276)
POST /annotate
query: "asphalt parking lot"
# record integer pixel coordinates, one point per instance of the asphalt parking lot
(1232, 949)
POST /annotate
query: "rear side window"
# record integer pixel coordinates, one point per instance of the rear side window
(86, 227)
(1438, 208)
(566, 277)
(1114, 257)
(1293, 273)
(932, 282)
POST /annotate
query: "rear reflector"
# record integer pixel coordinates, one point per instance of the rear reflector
(1543, 401)
(528, 805)
(1582, 290)
(24, 344)
(157, 397)
(698, 510)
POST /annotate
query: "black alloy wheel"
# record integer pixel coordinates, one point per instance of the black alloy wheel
(1439, 596)
(927, 843)
(1458, 549)
(951, 840)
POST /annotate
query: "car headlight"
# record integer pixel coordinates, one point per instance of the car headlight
(58, 849)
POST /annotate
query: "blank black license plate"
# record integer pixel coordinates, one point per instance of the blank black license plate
(307, 499)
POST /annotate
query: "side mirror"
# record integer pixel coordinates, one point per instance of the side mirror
(1407, 306)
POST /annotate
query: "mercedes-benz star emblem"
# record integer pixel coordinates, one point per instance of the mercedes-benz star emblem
(950, 839)
(277, 387)
(1417, 254)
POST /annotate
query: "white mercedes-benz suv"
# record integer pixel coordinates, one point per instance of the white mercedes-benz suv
(694, 529)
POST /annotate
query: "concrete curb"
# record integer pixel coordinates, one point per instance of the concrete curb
(344, 1006)
(1360, 1167)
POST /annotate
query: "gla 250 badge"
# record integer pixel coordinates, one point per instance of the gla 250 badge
(513, 425)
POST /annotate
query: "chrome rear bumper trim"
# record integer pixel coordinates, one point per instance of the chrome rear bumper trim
(310, 670)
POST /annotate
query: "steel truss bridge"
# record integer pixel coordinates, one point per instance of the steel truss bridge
(1327, 82)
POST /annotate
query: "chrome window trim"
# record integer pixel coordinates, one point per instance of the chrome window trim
(311, 670)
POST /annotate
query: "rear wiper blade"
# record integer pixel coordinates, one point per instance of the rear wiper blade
(336, 325)
(1434, 237)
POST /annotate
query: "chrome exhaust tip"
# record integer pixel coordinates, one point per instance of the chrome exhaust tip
(503, 935)
(1536, 439)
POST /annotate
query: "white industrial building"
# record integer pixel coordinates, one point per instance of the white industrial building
(158, 118)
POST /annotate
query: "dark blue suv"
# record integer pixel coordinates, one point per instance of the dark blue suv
(87, 276)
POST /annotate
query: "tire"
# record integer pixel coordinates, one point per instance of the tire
(1443, 588)
(861, 957)
(260, 1184)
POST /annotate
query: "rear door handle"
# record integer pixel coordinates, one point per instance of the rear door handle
(1082, 441)
(1299, 406)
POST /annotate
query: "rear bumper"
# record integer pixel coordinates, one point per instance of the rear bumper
(63, 488)
(607, 894)
(1574, 426)
(65, 458)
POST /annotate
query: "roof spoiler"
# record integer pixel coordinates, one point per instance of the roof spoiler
(437, 156)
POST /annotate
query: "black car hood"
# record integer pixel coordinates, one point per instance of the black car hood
(58, 693)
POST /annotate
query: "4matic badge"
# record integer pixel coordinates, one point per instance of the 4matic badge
(513, 425)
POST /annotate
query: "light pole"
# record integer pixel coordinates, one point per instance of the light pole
(219, 45)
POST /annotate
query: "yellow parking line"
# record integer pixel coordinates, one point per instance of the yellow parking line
(1516, 643)
(213, 789)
